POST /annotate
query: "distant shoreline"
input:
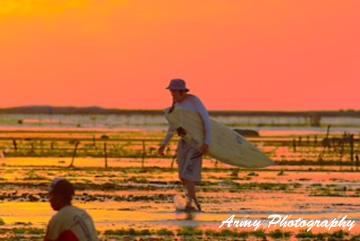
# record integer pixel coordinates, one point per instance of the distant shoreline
(104, 111)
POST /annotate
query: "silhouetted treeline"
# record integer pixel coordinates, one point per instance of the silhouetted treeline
(94, 110)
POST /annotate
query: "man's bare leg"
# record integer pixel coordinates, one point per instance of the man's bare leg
(190, 193)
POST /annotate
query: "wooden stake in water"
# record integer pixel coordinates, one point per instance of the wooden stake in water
(94, 142)
(104, 137)
(326, 144)
(342, 145)
(74, 154)
(15, 145)
(294, 145)
(106, 163)
(143, 154)
(352, 148)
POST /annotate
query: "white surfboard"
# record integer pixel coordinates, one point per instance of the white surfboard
(227, 146)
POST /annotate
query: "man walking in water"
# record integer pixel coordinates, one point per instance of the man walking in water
(189, 158)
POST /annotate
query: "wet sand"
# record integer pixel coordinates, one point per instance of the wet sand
(126, 196)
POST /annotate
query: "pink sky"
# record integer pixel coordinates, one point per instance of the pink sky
(234, 54)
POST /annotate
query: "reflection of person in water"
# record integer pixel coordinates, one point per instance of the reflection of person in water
(70, 223)
(189, 158)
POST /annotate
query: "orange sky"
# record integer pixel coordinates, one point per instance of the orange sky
(234, 54)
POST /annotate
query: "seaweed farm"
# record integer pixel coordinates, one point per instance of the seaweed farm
(129, 189)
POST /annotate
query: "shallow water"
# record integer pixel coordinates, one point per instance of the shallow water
(139, 193)
(120, 197)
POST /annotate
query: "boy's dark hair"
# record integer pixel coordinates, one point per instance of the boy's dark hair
(63, 187)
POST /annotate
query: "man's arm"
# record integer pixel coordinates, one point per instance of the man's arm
(170, 133)
(207, 126)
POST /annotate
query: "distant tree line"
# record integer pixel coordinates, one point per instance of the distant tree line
(314, 116)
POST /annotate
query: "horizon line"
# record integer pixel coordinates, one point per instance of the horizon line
(161, 109)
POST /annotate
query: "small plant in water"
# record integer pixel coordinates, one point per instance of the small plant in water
(164, 232)
(278, 234)
(253, 174)
(281, 173)
(189, 231)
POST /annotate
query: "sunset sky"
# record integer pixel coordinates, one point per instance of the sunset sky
(234, 54)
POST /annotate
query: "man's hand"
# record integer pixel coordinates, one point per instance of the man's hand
(161, 150)
(204, 149)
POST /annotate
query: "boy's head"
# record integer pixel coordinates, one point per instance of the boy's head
(61, 192)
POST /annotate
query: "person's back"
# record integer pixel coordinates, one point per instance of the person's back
(71, 224)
